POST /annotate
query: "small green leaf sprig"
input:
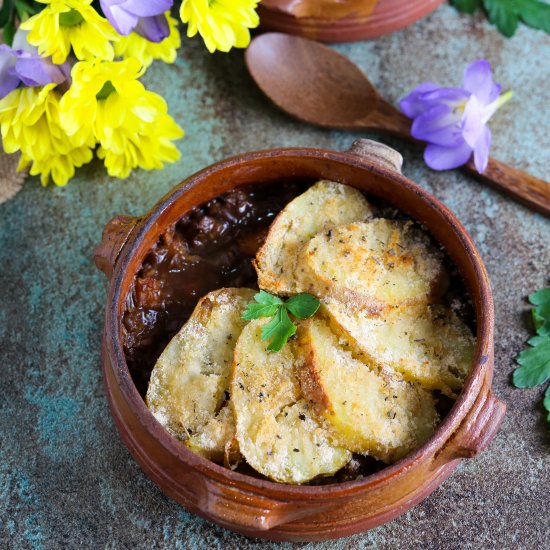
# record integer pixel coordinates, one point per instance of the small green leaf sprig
(507, 14)
(535, 360)
(281, 327)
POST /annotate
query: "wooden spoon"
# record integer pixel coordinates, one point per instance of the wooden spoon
(316, 84)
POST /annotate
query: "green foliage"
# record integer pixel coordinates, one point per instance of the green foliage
(302, 306)
(466, 6)
(507, 14)
(541, 313)
(535, 360)
(281, 327)
(12, 13)
(266, 306)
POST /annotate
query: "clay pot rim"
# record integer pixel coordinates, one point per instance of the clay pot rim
(385, 19)
(443, 432)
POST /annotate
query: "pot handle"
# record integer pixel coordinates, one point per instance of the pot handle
(377, 153)
(114, 237)
(254, 512)
(478, 428)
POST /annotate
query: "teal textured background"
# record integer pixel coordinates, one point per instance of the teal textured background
(67, 481)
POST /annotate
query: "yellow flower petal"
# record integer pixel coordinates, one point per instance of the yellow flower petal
(223, 24)
(90, 38)
(131, 124)
(145, 51)
(30, 123)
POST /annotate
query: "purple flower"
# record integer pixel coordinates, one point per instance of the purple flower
(146, 17)
(454, 120)
(27, 68)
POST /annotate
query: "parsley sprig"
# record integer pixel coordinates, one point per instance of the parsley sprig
(507, 14)
(535, 360)
(281, 327)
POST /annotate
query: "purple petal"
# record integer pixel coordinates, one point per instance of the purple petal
(440, 125)
(123, 21)
(8, 78)
(8, 82)
(145, 8)
(20, 42)
(481, 150)
(37, 71)
(452, 97)
(412, 105)
(124, 14)
(472, 122)
(446, 158)
(479, 81)
(154, 29)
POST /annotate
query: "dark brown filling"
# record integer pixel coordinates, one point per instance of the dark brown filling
(209, 248)
(212, 247)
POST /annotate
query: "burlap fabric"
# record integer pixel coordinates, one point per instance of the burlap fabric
(11, 181)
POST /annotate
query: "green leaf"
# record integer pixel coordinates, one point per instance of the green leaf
(6, 12)
(303, 305)
(546, 402)
(278, 330)
(9, 33)
(266, 306)
(255, 311)
(265, 298)
(503, 14)
(535, 363)
(466, 6)
(541, 313)
(535, 14)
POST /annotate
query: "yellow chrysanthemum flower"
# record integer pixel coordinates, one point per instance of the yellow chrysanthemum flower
(29, 120)
(63, 24)
(145, 51)
(131, 124)
(223, 24)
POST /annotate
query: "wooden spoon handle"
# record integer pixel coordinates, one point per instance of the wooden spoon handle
(527, 189)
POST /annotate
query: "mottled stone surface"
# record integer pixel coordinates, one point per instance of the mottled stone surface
(66, 480)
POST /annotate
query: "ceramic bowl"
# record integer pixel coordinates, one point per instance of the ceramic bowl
(266, 509)
(376, 19)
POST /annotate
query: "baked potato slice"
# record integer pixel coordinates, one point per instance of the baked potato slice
(322, 207)
(371, 265)
(374, 413)
(212, 440)
(188, 388)
(429, 345)
(279, 434)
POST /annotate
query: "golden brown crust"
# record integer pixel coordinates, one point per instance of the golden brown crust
(375, 413)
(188, 385)
(426, 344)
(371, 265)
(279, 434)
(323, 206)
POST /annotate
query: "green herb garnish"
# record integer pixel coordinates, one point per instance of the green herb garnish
(507, 14)
(281, 327)
(535, 360)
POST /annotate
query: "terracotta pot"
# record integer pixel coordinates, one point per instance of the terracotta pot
(387, 16)
(262, 508)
